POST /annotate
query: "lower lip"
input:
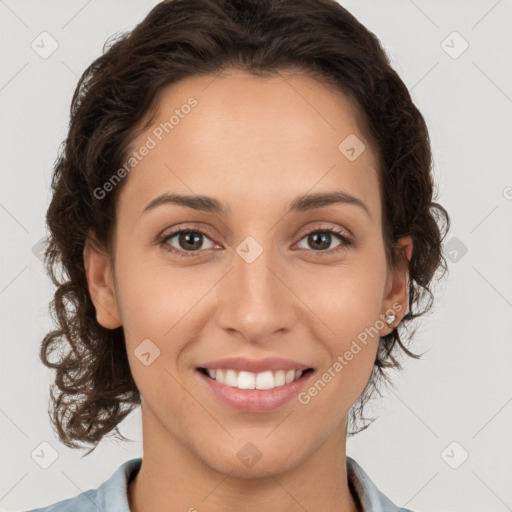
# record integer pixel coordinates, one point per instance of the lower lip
(255, 400)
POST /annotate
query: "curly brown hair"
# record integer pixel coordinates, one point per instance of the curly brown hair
(94, 389)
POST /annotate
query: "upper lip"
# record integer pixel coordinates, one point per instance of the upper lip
(254, 365)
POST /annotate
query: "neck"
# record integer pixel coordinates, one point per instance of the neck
(173, 478)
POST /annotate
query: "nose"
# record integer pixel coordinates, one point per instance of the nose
(257, 302)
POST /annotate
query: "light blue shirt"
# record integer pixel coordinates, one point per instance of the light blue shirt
(112, 496)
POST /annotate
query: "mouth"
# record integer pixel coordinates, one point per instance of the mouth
(265, 380)
(251, 385)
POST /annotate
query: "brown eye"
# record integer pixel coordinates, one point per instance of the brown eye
(321, 239)
(187, 241)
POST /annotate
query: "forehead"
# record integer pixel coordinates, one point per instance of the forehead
(275, 136)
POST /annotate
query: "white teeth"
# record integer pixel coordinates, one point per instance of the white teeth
(230, 378)
(279, 378)
(249, 380)
(265, 380)
(246, 380)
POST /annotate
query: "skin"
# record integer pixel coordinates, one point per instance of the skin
(254, 144)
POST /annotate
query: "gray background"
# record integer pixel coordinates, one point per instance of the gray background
(461, 389)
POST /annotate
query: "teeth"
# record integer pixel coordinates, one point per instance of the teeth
(246, 380)
(230, 378)
(249, 380)
(265, 380)
(279, 378)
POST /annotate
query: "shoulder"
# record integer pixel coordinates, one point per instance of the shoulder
(370, 497)
(111, 495)
(86, 501)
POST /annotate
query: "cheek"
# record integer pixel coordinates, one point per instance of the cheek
(351, 313)
(346, 307)
(346, 300)
(157, 302)
(159, 310)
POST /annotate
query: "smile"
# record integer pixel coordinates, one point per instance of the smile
(250, 380)
(252, 392)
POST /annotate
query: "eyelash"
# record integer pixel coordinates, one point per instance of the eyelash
(185, 254)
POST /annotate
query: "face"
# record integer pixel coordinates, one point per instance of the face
(263, 276)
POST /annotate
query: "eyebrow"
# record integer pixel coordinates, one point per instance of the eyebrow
(302, 203)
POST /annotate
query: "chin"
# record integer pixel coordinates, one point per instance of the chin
(260, 470)
(250, 462)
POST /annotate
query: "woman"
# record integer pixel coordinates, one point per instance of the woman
(244, 211)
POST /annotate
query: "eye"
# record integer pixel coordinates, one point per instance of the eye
(320, 239)
(189, 241)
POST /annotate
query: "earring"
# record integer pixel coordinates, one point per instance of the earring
(390, 319)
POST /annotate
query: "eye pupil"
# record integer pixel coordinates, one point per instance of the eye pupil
(320, 237)
(187, 239)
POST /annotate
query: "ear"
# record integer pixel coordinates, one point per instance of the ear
(397, 288)
(101, 283)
